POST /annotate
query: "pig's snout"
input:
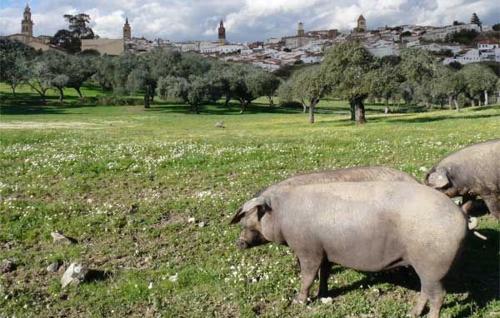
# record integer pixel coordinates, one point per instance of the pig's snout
(241, 244)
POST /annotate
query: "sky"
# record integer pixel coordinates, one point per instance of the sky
(245, 20)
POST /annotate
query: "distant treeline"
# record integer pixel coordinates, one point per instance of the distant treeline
(348, 71)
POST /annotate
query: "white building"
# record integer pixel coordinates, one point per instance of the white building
(487, 51)
(433, 34)
(382, 48)
(271, 67)
(215, 48)
(272, 41)
(311, 59)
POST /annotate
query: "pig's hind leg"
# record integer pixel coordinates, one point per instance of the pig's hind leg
(433, 292)
(324, 274)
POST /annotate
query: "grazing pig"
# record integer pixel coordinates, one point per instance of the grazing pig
(355, 174)
(367, 226)
(470, 172)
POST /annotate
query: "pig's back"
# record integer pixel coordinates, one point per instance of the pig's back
(354, 174)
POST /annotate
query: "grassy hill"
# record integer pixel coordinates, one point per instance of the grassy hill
(124, 181)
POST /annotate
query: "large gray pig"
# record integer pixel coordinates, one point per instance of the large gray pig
(368, 226)
(470, 172)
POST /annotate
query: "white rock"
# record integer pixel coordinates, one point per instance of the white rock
(173, 278)
(7, 266)
(60, 238)
(53, 267)
(191, 220)
(326, 300)
(75, 274)
(201, 224)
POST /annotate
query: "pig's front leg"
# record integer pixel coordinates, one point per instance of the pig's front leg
(493, 203)
(309, 266)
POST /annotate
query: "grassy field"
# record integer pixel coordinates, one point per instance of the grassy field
(124, 181)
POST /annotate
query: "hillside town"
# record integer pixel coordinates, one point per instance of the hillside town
(304, 47)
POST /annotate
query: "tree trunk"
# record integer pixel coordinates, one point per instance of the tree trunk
(473, 102)
(304, 107)
(243, 106)
(13, 87)
(61, 94)
(195, 109)
(486, 98)
(353, 110)
(228, 99)
(312, 107)
(457, 107)
(77, 89)
(360, 112)
(147, 99)
(450, 101)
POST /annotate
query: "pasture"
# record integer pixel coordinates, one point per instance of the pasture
(149, 194)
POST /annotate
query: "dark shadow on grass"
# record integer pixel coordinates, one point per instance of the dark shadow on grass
(220, 109)
(29, 104)
(437, 118)
(476, 273)
(95, 275)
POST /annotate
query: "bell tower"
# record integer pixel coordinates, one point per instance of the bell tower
(361, 24)
(127, 31)
(222, 33)
(300, 29)
(27, 23)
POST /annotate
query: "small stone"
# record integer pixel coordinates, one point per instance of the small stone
(326, 300)
(201, 224)
(53, 267)
(191, 220)
(173, 278)
(60, 238)
(219, 124)
(134, 208)
(150, 286)
(75, 274)
(7, 266)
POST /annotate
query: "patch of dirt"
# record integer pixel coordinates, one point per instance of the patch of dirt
(48, 125)
(169, 219)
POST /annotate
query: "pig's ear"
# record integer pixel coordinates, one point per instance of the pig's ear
(261, 203)
(238, 216)
(438, 179)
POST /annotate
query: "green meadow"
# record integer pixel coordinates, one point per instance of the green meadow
(148, 195)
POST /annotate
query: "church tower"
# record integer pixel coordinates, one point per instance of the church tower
(300, 30)
(361, 24)
(27, 23)
(127, 31)
(222, 33)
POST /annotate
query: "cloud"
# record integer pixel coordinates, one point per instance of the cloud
(245, 20)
